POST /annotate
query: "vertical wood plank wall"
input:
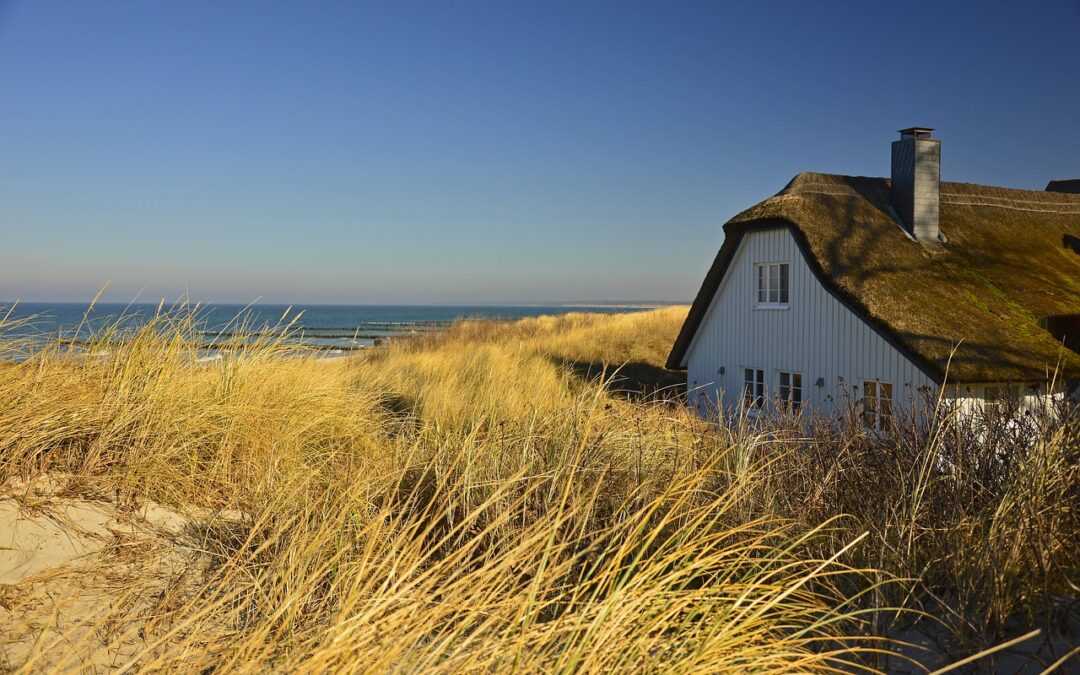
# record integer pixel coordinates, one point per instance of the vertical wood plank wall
(816, 336)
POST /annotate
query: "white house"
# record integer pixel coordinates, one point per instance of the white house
(841, 289)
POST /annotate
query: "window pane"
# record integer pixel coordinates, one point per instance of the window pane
(788, 394)
(774, 294)
(870, 404)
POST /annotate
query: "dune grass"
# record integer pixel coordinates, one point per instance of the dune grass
(477, 500)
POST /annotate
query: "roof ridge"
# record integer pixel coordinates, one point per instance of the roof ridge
(806, 179)
(956, 198)
(1011, 193)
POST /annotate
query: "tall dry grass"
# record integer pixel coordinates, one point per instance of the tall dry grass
(464, 504)
(491, 498)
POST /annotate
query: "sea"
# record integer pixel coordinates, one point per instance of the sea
(332, 329)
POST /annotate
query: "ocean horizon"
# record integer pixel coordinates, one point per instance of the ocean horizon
(326, 326)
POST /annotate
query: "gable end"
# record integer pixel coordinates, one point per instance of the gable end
(718, 271)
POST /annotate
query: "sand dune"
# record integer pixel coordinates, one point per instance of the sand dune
(72, 561)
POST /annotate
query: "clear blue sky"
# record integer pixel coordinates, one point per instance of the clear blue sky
(388, 152)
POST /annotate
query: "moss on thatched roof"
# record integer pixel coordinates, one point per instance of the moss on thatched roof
(985, 292)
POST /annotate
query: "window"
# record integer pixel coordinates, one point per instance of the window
(998, 397)
(753, 388)
(877, 404)
(789, 393)
(772, 283)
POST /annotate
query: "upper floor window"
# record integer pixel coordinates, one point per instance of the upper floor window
(877, 404)
(773, 283)
(789, 393)
(753, 388)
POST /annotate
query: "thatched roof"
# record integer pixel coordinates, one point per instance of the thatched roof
(986, 291)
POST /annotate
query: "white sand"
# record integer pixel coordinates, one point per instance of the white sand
(72, 562)
(33, 544)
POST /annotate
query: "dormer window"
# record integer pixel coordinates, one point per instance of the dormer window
(1065, 328)
(773, 282)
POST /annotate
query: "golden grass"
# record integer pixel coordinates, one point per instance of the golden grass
(459, 502)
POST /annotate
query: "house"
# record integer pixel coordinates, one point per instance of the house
(874, 289)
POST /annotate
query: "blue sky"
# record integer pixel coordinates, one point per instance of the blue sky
(401, 152)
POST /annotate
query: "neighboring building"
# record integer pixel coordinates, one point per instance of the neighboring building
(851, 286)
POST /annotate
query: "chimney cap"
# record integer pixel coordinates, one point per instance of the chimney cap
(916, 132)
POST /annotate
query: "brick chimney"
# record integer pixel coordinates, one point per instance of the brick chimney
(916, 179)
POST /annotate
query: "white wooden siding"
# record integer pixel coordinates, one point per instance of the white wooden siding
(816, 336)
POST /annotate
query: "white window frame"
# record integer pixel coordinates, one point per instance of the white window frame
(998, 396)
(785, 400)
(753, 379)
(877, 406)
(772, 285)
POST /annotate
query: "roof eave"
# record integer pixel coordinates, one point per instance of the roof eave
(732, 236)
